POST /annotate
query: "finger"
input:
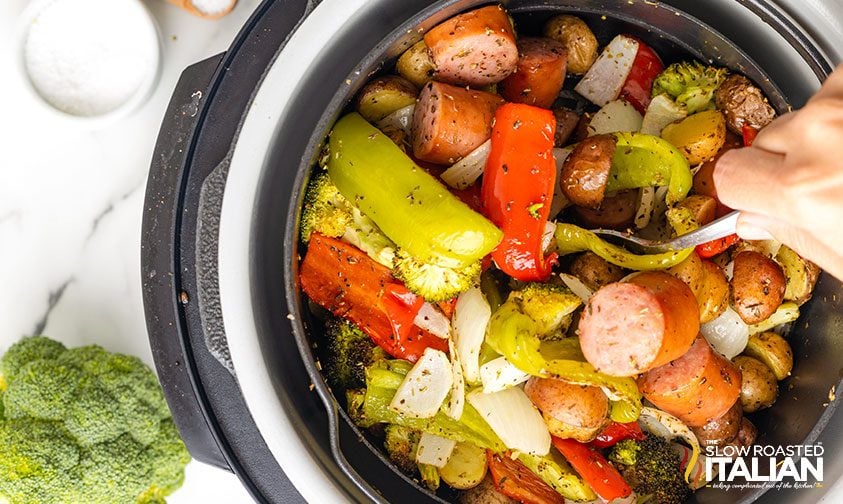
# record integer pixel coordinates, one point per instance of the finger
(832, 87)
(748, 179)
(759, 227)
(776, 137)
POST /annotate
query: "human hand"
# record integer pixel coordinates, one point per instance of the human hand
(789, 184)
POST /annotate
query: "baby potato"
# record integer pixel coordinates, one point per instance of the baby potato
(759, 387)
(758, 286)
(772, 350)
(699, 137)
(578, 39)
(594, 271)
(466, 467)
(416, 64)
(715, 292)
(570, 411)
(801, 275)
(384, 95)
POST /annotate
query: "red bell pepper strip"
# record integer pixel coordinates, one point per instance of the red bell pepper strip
(345, 281)
(594, 469)
(517, 481)
(616, 432)
(638, 87)
(518, 183)
(715, 247)
(749, 133)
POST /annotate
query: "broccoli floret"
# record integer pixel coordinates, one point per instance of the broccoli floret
(84, 425)
(327, 212)
(690, 83)
(348, 352)
(550, 305)
(651, 468)
(401, 444)
(433, 282)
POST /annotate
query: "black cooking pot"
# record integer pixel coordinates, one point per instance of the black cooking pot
(226, 322)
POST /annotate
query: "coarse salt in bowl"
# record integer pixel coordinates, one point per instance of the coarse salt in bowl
(90, 59)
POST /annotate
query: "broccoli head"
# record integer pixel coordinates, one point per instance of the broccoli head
(349, 351)
(433, 282)
(651, 468)
(84, 425)
(690, 83)
(327, 212)
(401, 444)
(550, 305)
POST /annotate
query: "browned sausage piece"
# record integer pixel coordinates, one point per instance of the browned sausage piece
(539, 75)
(722, 429)
(743, 104)
(630, 327)
(566, 122)
(614, 212)
(450, 122)
(586, 170)
(699, 386)
(570, 411)
(475, 48)
(594, 271)
(758, 286)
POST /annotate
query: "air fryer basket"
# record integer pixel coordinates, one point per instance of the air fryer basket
(800, 412)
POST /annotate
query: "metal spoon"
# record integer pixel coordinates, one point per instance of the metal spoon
(720, 228)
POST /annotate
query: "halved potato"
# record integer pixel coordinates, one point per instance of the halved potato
(416, 64)
(772, 350)
(466, 468)
(699, 137)
(801, 275)
(384, 95)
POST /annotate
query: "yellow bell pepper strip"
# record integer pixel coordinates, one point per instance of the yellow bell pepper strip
(642, 160)
(409, 205)
(518, 183)
(514, 335)
(571, 239)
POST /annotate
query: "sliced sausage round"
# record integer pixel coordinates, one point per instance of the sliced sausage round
(474, 48)
(698, 387)
(630, 327)
(539, 74)
(450, 122)
(758, 286)
(586, 170)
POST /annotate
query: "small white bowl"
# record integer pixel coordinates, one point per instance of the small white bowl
(137, 99)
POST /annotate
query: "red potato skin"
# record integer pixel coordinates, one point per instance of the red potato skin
(450, 122)
(539, 74)
(758, 286)
(630, 327)
(697, 388)
(582, 410)
(475, 48)
(721, 430)
(586, 170)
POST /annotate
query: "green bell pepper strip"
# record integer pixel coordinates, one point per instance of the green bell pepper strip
(408, 204)
(571, 239)
(513, 334)
(642, 160)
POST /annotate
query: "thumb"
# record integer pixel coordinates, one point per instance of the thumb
(759, 227)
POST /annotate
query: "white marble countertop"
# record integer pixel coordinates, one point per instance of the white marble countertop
(70, 212)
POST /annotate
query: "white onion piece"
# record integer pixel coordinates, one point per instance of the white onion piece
(580, 289)
(646, 203)
(471, 316)
(434, 450)
(467, 170)
(432, 320)
(500, 374)
(456, 401)
(547, 235)
(605, 79)
(615, 116)
(560, 201)
(515, 420)
(661, 112)
(401, 119)
(667, 426)
(727, 334)
(425, 387)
